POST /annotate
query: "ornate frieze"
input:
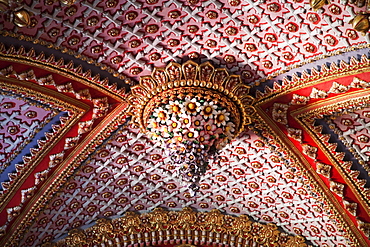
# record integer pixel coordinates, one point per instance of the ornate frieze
(175, 227)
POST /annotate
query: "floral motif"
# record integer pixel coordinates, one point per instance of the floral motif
(191, 106)
(191, 129)
(208, 109)
(193, 111)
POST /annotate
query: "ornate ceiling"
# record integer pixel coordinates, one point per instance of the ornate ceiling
(76, 171)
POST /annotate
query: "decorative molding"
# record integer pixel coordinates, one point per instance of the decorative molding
(84, 87)
(282, 145)
(181, 228)
(66, 69)
(65, 169)
(61, 102)
(316, 76)
(193, 110)
(192, 78)
(334, 107)
(319, 99)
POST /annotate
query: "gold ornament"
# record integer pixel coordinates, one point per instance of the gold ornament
(191, 77)
(67, 2)
(361, 23)
(214, 227)
(22, 18)
(318, 4)
(192, 111)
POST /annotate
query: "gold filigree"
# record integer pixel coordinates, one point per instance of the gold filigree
(337, 188)
(159, 217)
(191, 78)
(267, 235)
(103, 228)
(76, 238)
(364, 227)
(323, 169)
(351, 207)
(213, 226)
(296, 241)
(185, 218)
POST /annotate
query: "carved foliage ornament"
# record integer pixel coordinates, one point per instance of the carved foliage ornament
(183, 228)
(193, 111)
(360, 22)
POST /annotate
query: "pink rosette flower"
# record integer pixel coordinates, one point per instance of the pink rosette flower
(205, 138)
(197, 122)
(212, 128)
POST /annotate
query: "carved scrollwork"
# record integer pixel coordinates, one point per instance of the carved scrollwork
(76, 238)
(184, 227)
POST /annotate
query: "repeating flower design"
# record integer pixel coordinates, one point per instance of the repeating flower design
(191, 129)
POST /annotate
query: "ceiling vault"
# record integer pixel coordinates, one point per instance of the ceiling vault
(182, 123)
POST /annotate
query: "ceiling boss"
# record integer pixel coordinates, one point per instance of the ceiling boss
(193, 111)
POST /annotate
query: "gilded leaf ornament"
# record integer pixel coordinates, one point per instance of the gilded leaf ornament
(201, 228)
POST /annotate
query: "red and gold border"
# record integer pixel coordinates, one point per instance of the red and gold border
(278, 114)
(103, 111)
(30, 90)
(95, 138)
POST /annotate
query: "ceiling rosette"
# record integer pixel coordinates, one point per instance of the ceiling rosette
(192, 111)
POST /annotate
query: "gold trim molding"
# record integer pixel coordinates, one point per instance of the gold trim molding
(66, 169)
(76, 108)
(313, 182)
(271, 130)
(184, 228)
(351, 101)
(66, 69)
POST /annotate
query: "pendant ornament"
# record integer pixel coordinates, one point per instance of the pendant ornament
(193, 111)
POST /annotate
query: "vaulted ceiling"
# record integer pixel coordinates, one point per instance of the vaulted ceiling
(74, 170)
